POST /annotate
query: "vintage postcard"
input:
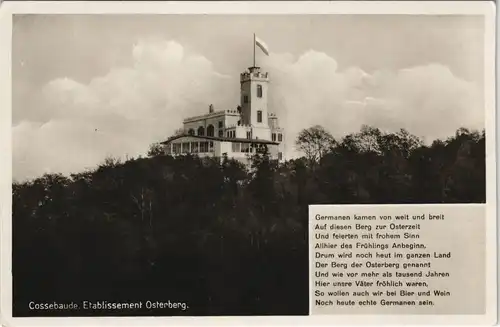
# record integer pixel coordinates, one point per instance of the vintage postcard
(248, 163)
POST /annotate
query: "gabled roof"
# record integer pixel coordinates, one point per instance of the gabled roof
(222, 139)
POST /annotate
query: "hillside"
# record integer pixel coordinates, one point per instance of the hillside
(224, 239)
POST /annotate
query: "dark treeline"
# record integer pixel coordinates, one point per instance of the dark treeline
(225, 239)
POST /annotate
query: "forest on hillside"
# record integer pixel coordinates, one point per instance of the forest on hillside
(225, 239)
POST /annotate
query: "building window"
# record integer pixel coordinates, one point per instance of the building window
(239, 122)
(280, 155)
(201, 131)
(221, 133)
(236, 147)
(259, 91)
(203, 147)
(185, 147)
(211, 148)
(249, 135)
(274, 137)
(280, 137)
(194, 147)
(259, 116)
(245, 147)
(191, 131)
(245, 99)
(210, 130)
(221, 124)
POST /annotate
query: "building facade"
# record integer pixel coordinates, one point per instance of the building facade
(237, 133)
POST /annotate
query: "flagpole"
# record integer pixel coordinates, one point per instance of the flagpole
(254, 49)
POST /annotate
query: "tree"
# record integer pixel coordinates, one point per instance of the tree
(194, 228)
(156, 149)
(315, 142)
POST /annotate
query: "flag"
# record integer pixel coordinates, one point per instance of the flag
(262, 45)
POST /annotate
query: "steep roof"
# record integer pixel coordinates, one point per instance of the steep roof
(222, 139)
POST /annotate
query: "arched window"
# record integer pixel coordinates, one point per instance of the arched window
(259, 91)
(201, 131)
(191, 131)
(210, 130)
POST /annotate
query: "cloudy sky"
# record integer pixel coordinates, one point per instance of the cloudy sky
(86, 87)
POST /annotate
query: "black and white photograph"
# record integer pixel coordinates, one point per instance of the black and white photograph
(163, 164)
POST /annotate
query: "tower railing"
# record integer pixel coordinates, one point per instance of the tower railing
(247, 75)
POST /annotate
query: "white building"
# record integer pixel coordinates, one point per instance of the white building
(237, 133)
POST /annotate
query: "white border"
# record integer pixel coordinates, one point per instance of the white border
(485, 8)
(254, 7)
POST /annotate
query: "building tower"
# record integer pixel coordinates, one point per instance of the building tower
(254, 89)
(237, 133)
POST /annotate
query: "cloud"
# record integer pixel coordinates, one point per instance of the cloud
(61, 146)
(427, 100)
(76, 125)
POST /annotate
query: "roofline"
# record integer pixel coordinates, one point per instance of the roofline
(222, 139)
(212, 115)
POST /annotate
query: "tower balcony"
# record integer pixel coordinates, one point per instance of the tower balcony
(254, 73)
